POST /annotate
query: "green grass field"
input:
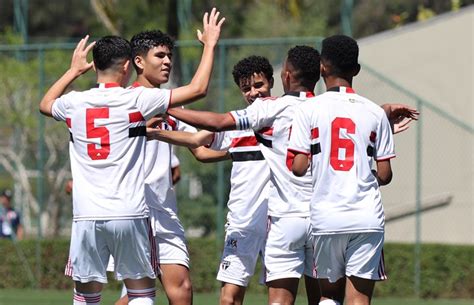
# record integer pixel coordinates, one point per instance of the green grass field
(59, 297)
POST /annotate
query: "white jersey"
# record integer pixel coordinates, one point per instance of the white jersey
(249, 180)
(159, 190)
(271, 119)
(343, 132)
(107, 133)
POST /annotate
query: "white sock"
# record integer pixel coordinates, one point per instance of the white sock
(86, 298)
(329, 302)
(141, 296)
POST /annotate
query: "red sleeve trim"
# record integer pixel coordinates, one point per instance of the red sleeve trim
(385, 158)
(233, 119)
(169, 101)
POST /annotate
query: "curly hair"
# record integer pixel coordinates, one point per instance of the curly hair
(110, 51)
(305, 61)
(246, 67)
(147, 40)
(342, 52)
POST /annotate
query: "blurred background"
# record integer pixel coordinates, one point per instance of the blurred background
(417, 52)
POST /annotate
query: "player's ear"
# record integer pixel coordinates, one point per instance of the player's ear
(323, 69)
(138, 60)
(126, 66)
(272, 81)
(357, 70)
(93, 67)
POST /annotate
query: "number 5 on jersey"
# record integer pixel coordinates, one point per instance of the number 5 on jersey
(95, 151)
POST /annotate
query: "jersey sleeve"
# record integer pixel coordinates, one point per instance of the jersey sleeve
(221, 141)
(300, 137)
(60, 107)
(256, 116)
(384, 145)
(153, 101)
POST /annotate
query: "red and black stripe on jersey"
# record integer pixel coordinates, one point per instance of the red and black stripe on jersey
(370, 148)
(137, 131)
(68, 123)
(249, 155)
(264, 136)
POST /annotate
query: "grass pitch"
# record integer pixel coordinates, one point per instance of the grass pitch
(59, 297)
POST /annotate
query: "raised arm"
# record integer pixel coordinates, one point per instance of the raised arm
(400, 116)
(79, 66)
(204, 119)
(197, 88)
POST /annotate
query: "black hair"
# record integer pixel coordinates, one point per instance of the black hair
(246, 67)
(147, 40)
(305, 61)
(110, 51)
(342, 53)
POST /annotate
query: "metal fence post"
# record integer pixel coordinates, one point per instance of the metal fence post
(418, 161)
(40, 164)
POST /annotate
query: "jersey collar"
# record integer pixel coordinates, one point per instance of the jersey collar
(301, 94)
(136, 85)
(107, 85)
(342, 89)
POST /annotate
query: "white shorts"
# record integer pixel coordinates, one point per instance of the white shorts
(288, 250)
(350, 254)
(241, 251)
(129, 241)
(170, 239)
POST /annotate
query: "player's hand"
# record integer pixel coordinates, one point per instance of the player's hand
(79, 64)
(152, 133)
(211, 28)
(400, 116)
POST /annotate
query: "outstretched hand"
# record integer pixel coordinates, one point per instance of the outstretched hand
(211, 28)
(400, 116)
(79, 62)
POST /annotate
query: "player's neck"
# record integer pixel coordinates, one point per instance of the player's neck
(332, 82)
(106, 78)
(142, 80)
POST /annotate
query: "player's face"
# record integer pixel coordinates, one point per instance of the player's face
(157, 65)
(255, 86)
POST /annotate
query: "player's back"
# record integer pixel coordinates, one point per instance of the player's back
(348, 131)
(272, 119)
(107, 126)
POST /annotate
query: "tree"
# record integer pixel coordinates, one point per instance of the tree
(20, 152)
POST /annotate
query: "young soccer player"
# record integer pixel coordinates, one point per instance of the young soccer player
(107, 126)
(152, 58)
(339, 134)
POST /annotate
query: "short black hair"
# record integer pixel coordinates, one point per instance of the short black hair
(110, 51)
(306, 63)
(246, 67)
(342, 52)
(147, 40)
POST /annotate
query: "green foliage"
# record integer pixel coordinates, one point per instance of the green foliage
(447, 271)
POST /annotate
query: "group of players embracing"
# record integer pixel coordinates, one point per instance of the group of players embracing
(304, 195)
